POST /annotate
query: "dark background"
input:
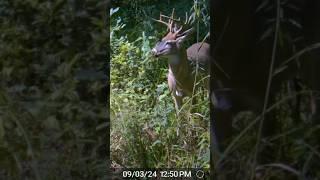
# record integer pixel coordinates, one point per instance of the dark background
(245, 41)
(54, 87)
(54, 84)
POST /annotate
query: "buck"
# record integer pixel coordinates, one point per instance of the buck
(181, 74)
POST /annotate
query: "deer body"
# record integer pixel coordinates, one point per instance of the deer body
(179, 80)
(181, 74)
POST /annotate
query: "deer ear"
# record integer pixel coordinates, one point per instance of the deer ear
(183, 36)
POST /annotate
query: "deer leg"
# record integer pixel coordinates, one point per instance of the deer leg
(177, 101)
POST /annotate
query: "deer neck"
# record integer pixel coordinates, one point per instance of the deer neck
(179, 66)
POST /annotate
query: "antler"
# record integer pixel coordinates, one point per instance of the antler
(174, 29)
(170, 22)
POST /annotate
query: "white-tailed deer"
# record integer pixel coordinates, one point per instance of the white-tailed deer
(181, 75)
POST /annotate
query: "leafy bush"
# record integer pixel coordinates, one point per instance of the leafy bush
(52, 94)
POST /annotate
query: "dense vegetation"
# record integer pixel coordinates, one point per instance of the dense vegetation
(54, 104)
(53, 89)
(270, 47)
(145, 131)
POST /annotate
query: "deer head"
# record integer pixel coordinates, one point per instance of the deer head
(172, 42)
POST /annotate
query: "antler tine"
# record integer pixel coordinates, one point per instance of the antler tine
(161, 21)
(167, 24)
(170, 17)
(170, 22)
(186, 21)
(172, 14)
(178, 31)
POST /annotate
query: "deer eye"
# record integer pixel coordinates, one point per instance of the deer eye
(167, 44)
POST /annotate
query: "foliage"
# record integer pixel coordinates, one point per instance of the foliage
(292, 151)
(52, 94)
(145, 130)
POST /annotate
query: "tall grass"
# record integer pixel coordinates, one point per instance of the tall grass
(145, 130)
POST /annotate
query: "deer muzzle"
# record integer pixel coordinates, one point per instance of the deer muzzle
(154, 52)
(163, 48)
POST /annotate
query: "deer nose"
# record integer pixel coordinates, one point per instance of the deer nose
(154, 52)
